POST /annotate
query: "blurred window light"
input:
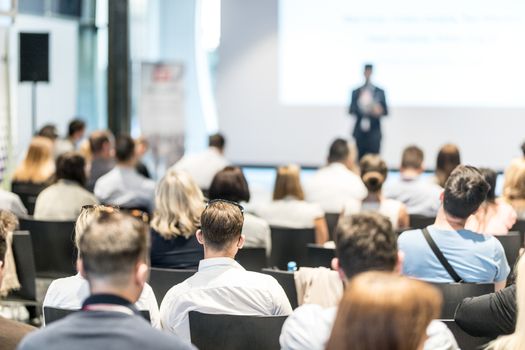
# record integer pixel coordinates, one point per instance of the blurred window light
(210, 23)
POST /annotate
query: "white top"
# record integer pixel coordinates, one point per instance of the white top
(310, 326)
(62, 201)
(333, 186)
(203, 166)
(290, 212)
(125, 187)
(387, 207)
(11, 202)
(69, 293)
(257, 233)
(222, 286)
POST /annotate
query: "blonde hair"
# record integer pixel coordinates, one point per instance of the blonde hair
(87, 215)
(288, 183)
(400, 310)
(38, 165)
(516, 340)
(514, 187)
(179, 204)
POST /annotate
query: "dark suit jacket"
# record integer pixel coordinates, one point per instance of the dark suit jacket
(375, 123)
(489, 315)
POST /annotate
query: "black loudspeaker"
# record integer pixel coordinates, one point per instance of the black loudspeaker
(34, 56)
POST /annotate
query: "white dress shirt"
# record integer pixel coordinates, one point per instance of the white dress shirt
(202, 167)
(310, 326)
(222, 286)
(11, 202)
(289, 212)
(70, 292)
(333, 186)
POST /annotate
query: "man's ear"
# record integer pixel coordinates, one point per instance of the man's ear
(399, 264)
(240, 244)
(200, 237)
(336, 267)
(141, 273)
(80, 268)
(442, 196)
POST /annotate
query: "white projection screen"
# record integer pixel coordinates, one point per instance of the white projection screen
(452, 70)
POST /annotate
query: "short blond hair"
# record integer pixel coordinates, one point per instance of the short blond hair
(288, 183)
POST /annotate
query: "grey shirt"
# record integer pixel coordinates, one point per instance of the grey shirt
(11, 202)
(419, 195)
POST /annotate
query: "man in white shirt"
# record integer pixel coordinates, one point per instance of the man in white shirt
(365, 242)
(203, 166)
(335, 184)
(419, 195)
(221, 285)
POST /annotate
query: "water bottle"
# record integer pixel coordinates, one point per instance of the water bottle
(292, 266)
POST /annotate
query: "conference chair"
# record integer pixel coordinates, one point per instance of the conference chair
(235, 332)
(511, 243)
(27, 192)
(289, 244)
(320, 256)
(420, 221)
(252, 259)
(161, 280)
(52, 314)
(53, 247)
(519, 226)
(454, 293)
(287, 281)
(331, 221)
(464, 340)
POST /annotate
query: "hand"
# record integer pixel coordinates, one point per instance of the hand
(377, 110)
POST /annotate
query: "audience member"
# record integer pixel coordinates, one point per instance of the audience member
(11, 202)
(123, 185)
(75, 133)
(288, 208)
(365, 242)
(373, 174)
(178, 207)
(333, 185)
(102, 151)
(38, 165)
(494, 216)
(114, 260)
(222, 285)
(141, 147)
(48, 131)
(230, 184)
(203, 166)
(69, 292)
(420, 196)
(11, 332)
(63, 200)
(472, 257)
(382, 311)
(514, 188)
(447, 160)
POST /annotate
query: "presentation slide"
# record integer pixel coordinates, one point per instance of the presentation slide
(447, 53)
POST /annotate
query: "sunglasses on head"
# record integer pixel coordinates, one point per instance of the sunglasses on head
(109, 209)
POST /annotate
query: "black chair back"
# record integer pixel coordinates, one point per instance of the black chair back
(511, 242)
(52, 314)
(252, 259)
(519, 226)
(25, 269)
(287, 281)
(331, 221)
(235, 332)
(289, 244)
(420, 221)
(320, 256)
(161, 280)
(464, 340)
(53, 247)
(28, 192)
(454, 293)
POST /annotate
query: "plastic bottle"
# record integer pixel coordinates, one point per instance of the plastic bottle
(292, 266)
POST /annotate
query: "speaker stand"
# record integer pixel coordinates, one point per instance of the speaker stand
(33, 106)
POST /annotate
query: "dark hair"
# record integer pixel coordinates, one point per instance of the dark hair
(365, 242)
(373, 172)
(412, 158)
(490, 176)
(74, 126)
(49, 131)
(465, 190)
(230, 184)
(339, 151)
(369, 66)
(97, 139)
(124, 148)
(8, 222)
(71, 166)
(447, 160)
(221, 223)
(523, 148)
(216, 140)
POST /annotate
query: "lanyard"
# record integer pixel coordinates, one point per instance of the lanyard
(109, 307)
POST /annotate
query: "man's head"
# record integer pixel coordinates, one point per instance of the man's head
(49, 131)
(465, 190)
(113, 253)
(368, 71)
(76, 129)
(221, 226)
(365, 242)
(8, 223)
(412, 159)
(125, 150)
(339, 152)
(100, 144)
(217, 141)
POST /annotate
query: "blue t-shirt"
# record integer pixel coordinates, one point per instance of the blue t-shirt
(476, 258)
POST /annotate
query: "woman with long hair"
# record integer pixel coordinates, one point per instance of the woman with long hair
(384, 311)
(447, 160)
(38, 165)
(514, 187)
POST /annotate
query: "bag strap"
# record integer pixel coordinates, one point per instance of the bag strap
(439, 255)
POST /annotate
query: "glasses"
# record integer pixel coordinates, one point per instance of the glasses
(241, 208)
(109, 209)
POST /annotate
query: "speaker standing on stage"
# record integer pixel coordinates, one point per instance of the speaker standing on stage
(368, 106)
